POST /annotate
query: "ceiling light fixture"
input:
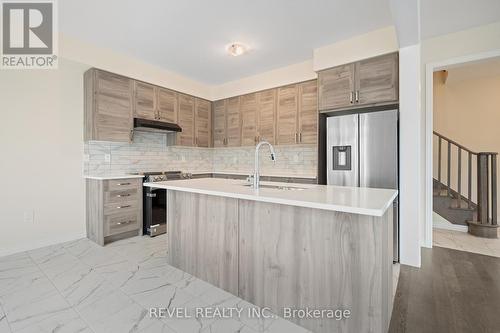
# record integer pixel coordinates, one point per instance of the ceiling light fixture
(236, 49)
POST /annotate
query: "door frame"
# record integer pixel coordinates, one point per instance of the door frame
(429, 127)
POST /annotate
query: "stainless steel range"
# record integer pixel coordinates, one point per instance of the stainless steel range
(155, 201)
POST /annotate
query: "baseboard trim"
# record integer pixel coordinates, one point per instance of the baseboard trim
(449, 226)
(41, 243)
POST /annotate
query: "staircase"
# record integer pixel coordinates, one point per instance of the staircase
(460, 173)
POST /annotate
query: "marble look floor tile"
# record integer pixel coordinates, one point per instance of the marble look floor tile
(248, 317)
(156, 326)
(80, 247)
(190, 325)
(4, 325)
(32, 305)
(281, 325)
(163, 297)
(98, 309)
(193, 285)
(67, 321)
(83, 288)
(129, 318)
(224, 326)
(99, 257)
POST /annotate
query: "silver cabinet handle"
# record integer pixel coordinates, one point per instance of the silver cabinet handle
(357, 96)
(351, 97)
(123, 195)
(120, 207)
(125, 222)
(131, 135)
(295, 137)
(122, 184)
(300, 137)
(151, 195)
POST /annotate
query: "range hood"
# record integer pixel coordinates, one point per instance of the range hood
(141, 124)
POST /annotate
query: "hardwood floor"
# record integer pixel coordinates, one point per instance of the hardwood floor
(453, 291)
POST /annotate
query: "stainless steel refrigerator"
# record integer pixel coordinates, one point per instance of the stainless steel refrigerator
(362, 150)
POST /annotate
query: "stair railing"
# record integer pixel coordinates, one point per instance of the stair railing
(486, 178)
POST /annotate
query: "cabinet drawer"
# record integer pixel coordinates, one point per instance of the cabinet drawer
(123, 184)
(123, 207)
(118, 224)
(120, 196)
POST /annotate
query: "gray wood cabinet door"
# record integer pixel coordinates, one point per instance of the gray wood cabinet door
(145, 101)
(287, 115)
(167, 105)
(186, 120)
(219, 123)
(267, 115)
(336, 87)
(233, 122)
(308, 112)
(377, 80)
(248, 110)
(108, 106)
(202, 122)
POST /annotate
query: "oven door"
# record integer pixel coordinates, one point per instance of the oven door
(155, 211)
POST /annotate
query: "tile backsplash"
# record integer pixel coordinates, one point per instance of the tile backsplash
(149, 152)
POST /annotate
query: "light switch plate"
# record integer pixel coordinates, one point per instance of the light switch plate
(29, 216)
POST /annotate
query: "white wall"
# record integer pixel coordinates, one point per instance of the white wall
(409, 150)
(41, 149)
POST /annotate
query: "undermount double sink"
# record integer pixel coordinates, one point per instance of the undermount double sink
(278, 187)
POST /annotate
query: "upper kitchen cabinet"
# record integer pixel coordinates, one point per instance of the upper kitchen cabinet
(248, 111)
(202, 122)
(336, 87)
(219, 123)
(167, 105)
(108, 106)
(145, 101)
(377, 80)
(308, 112)
(186, 120)
(266, 119)
(287, 115)
(233, 122)
(368, 82)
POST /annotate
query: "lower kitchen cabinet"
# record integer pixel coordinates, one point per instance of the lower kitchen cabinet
(114, 209)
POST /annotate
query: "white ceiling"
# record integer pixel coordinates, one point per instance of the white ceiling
(439, 17)
(189, 37)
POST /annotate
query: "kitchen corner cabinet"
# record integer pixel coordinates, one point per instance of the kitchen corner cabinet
(114, 209)
(202, 122)
(369, 82)
(266, 120)
(219, 123)
(233, 122)
(297, 121)
(186, 120)
(248, 111)
(108, 106)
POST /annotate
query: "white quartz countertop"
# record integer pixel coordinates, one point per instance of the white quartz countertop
(107, 177)
(356, 200)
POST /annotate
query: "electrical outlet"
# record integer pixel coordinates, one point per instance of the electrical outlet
(107, 158)
(29, 216)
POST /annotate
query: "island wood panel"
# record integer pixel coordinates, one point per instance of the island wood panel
(336, 87)
(377, 79)
(267, 115)
(202, 122)
(186, 120)
(248, 110)
(167, 105)
(301, 257)
(108, 106)
(203, 237)
(233, 122)
(219, 123)
(145, 101)
(308, 112)
(94, 215)
(287, 115)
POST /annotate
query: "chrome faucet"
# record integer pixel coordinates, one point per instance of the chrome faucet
(256, 175)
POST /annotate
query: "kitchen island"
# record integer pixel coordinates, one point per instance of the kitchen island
(288, 246)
